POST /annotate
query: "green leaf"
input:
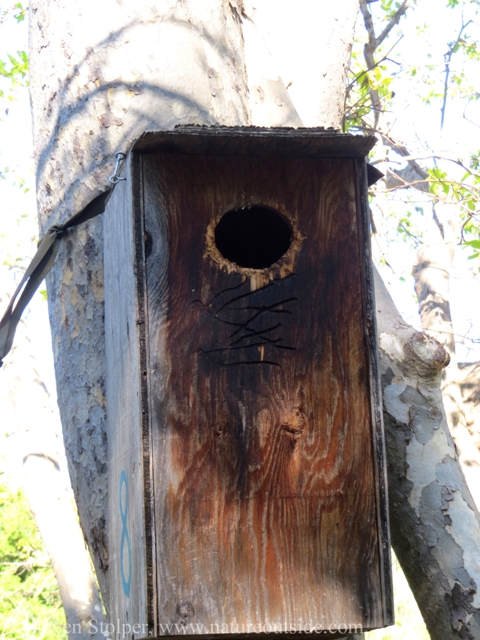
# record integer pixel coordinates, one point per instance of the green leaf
(30, 604)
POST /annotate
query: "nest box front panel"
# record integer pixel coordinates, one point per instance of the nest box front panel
(265, 506)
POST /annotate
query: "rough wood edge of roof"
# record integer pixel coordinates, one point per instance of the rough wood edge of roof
(255, 141)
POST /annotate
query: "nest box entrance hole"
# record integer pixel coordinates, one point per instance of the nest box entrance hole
(253, 237)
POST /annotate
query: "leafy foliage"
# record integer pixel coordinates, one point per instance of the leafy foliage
(437, 80)
(464, 191)
(17, 10)
(30, 605)
(475, 244)
(15, 68)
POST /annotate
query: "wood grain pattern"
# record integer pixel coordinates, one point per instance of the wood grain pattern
(376, 403)
(129, 541)
(266, 507)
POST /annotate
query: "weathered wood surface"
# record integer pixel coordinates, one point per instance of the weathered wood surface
(265, 488)
(128, 538)
(256, 141)
(365, 176)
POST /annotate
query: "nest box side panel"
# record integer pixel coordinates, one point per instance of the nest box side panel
(126, 396)
(264, 481)
(376, 403)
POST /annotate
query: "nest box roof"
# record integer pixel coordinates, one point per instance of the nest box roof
(255, 141)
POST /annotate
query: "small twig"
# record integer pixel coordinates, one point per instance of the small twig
(432, 181)
(405, 185)
(436, 156)
(394, 20)
(448, 333)
(406, 156)
(418, 240)
(470, 216)
(368, 51)
(385, 57)
(448, 57)
(475, 124)
(373, 43)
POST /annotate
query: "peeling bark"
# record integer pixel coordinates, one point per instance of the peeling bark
(434, 521)
(432, 286)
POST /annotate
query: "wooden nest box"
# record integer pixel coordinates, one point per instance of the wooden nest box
(246, 447)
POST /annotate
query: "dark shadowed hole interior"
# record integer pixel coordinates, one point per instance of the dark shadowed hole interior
(254, 237)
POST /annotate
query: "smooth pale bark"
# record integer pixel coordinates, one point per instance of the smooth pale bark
(98, 81)
(101, 74)
(305, 46)
(432, 286)
(28, 405)
(469, 380)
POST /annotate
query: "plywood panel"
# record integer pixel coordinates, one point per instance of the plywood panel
(130, 563)
(266, 503)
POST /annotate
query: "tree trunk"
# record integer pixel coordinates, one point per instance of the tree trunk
(432, 286)
(434, 521)
(469, 380)
(97, 84)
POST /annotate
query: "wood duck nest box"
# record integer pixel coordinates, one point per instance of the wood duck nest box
(246, 447)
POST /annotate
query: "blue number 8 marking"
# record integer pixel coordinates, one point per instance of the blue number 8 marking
(125, 536)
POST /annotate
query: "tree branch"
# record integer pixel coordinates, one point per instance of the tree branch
(432, 513)
(432, 181)
(374, 42)
(368, 51)
(395, 19)
(362, 73)
(436, 156)
(403, 151)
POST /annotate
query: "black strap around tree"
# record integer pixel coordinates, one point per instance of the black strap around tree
(47, 250)
(39, 267)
